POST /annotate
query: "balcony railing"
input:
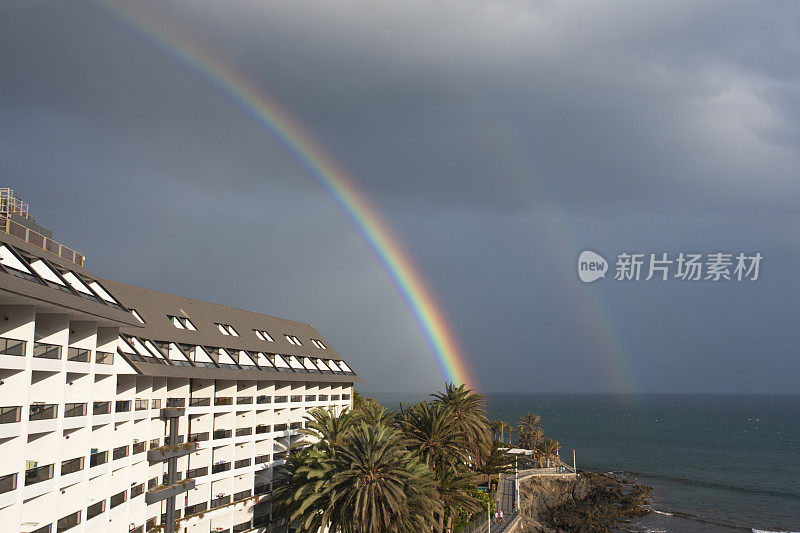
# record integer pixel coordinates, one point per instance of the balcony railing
(281, 399)
(220, 467)
(242, 463)
(295, 425)
(260, 459)
(8, 483)
(101, 408)
(176, 403)
(311, 398)
(279, 427)
(244, 400)
(263, 399)
(241, 432)
(297, 398)
(39, 474)
(74, 409)
(71, 465)
(46, 351)
(197, 472)
(9, 415)
(78, 355)
(263, 428)
(198, 437)
(219, 502)
(120, 452)
(104, 358)
(43, 411)
(242, 495)
(222, 433)
(12, 347)
(99, 458)
(223, 400)
(199, 402)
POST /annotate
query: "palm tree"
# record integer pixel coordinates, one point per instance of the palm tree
(296, 496)
(530, 431)
(496, 426)
(453, 488)
(328, 426)
(432, 434)
(378, 485)
(549, 449)
(468, 408)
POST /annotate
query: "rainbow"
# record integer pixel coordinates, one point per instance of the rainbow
(275, 119)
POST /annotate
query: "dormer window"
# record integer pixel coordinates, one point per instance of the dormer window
(263, 335)
(181, 322)
(292, 339)
(319, 344)
(227, 329)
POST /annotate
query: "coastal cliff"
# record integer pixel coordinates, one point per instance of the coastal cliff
(590, 502)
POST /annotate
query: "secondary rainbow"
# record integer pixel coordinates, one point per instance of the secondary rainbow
(252, 98)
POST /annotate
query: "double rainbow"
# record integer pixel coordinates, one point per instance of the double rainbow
(277, 120)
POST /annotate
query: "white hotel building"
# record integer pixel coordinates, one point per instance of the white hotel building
(117, 402)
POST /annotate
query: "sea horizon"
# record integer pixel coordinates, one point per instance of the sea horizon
(719, 461)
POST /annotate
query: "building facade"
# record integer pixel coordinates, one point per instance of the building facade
(117, 400)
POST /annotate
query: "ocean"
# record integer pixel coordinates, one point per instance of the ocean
(716, 463)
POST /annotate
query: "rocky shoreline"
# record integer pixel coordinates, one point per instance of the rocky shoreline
(590, 502)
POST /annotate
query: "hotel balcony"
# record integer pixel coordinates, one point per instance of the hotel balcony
(162, 492)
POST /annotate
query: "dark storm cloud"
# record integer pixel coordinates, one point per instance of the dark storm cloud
(498, 139)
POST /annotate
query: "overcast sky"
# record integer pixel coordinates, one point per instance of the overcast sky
(497, 139)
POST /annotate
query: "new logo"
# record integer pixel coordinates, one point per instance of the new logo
(591, 266)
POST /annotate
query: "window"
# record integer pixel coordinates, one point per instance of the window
(46, 529)
(220, 501)
(139, 447)
(197, 472)
(98, 458)
(15, 266)
(194, 509)
(141, 405)
(101, 408)
(74, 409)
(38, 474)
(68, 522)
(43, 411)
(137, 316)
(318, 343)
(244, 526)
(263, 335)
(182, 322)
(71, 465)
(137, 490)
(156, 404)
(120, 452)
(227, 329)
(118, 499)
(12, 347)
(8, 483)
(95, 509)
(104, 358)
(242, 463)
(260, 459)
(292, 339)
(242, 495)
(78, 355)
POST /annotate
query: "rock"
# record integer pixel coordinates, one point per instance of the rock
(590, 502)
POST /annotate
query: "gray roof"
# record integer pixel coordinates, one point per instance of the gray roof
(33, 290)
(155, 306)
